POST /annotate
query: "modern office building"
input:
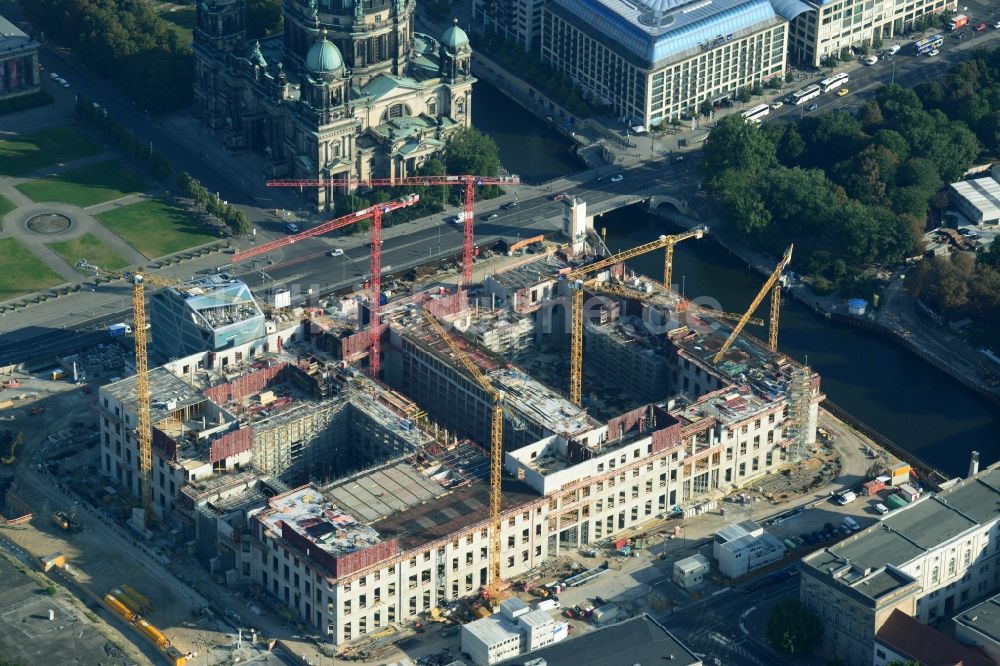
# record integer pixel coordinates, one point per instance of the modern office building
(830, 25)
(515, 630)
(208, 314)
(517, 21)
(349, 90)
(18, 61)
(653, 60)
(927, 559)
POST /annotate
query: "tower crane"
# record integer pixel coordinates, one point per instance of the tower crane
(144, 428)
(469, 183)
(577, 286)
(374, 213)
(668, 253)
(774, 287)
(494, 583)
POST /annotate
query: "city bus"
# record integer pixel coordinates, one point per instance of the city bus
(805, 94)
(928, 44)
(835, 81)
(756, 113)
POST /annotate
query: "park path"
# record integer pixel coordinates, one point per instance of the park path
(63, 167)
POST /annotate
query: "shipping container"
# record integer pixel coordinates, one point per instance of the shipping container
(895, 502)
(605, 614)
(119, 608)
(872, 487)
(56, 559)
(152, 633)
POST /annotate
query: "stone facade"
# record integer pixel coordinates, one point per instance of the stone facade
(349, 90)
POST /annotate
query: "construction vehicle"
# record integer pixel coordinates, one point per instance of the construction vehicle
(173, 656)
(469, 184)
(494, 583)
(770, 285)
(12, 456)
(65, 521)
(143, 602)
(577, 286)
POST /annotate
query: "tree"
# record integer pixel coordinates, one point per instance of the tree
(743, 94)
(737, 144)
(471, 152)
(845, 53)
(773, 83)
(877, 43)
(757, 90)
(871, 115)
(790, 145)
(263, 17)
(705, 108)
(792, 628)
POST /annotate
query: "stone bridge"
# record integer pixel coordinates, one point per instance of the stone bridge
(653, 201)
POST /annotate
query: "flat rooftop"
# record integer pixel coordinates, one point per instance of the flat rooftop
(220, 300)
(984, 618)
(541, 404)
(544, 268)
(168, 393)
(983, 194)
(29, 637)
(639, 640)
(909, 532)
(314, 516)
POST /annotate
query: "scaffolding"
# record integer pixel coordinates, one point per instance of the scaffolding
(800, 403)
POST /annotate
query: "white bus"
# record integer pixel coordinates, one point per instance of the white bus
(805, 94)
(835, 81)
(756, 113)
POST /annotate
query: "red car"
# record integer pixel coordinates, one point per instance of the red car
(980, 27)
(558, 197)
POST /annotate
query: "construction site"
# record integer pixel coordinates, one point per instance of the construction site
(354, 467)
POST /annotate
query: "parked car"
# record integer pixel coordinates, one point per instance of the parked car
(980, 27)
(455, 219)
(882, 509)
(64, 83)
(777, 104)
(842, 92)
(932, 53)
(812, 107)
(679, 158)
(558, 197)
(509, 205)
(292, 227)
(339, 252)
(54, 76)
(617, 178)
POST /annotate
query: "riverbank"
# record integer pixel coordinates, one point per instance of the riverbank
(894, 321)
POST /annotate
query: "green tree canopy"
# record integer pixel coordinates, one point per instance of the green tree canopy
(737, 144)
(471, 152)
(792, 628)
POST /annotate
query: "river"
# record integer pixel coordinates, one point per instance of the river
(909, 401)
(528, 145)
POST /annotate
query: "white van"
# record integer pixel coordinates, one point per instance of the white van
(894, 49)
(851, 524)
(881, 508)
(846, 497)
(871, 60)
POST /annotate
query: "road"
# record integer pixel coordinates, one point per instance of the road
(730, 626)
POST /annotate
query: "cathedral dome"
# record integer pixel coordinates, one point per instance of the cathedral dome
(454, 37)
(324, 56)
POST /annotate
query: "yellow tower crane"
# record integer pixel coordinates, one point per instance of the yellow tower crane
(144, 428)
(774, 287)
(577, 286)
(494, 582)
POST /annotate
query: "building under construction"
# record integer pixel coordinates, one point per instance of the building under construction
(357, 503)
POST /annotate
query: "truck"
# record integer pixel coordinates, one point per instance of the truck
(959, 21)
(119, 330)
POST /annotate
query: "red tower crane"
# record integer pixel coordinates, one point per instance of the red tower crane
(375, 214)
(468, 182)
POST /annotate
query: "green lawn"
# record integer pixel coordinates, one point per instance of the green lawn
(22, 271)
(86, 186)
(5, 206)
(181, 18)
(155, 228)
(33, 151)
(91, 248)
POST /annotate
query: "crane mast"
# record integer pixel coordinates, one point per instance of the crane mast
(577, 287)
(771, 283)
(494, 582)
(468, 182)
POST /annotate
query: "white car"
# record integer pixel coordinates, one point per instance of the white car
(337, 253)
(617, 179)
(871, 60)
(53, 76)
(63, 82)
(292, 227)
(777, 104)
(932, 53)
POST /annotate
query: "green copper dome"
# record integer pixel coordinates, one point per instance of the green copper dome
(454, 37)
(324, 56)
